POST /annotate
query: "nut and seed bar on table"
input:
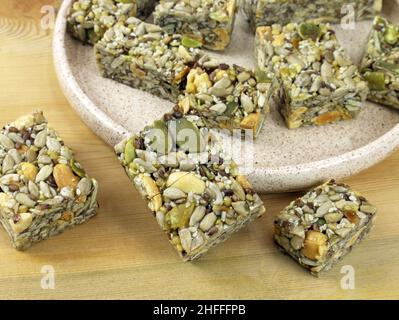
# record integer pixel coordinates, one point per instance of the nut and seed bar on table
(227, 97)
(43, 189)
(320, 228)
(210, 22)
(380, 65)
(145, 57)
(269, 12)
(319, 83)
(197, 199)
(89, 19)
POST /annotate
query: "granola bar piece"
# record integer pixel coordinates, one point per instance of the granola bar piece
(192, 188)
(227, 97)
(89, 19)
(145, 57)
(319, 83)
(320, 228)
(210, 22)
(269, 12)
(43, 189)
(380, 66)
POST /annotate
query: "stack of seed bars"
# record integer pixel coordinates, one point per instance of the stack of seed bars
(380, 63)
(192, 187)
(143, 56)
(319, 83)
(173, 66)
(43, 189)
(210, 22)
(179, 166)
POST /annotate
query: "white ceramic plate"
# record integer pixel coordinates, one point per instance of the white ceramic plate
(284, 160)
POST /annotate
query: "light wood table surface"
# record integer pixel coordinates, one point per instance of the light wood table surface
(122, 254)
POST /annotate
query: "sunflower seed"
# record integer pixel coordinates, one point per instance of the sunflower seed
(208, 222)
(84, 186)
(197, 215)
(14, 154)
(6, 142)
(33, 189)
(41, 139)
(44, 173)
(8, 164)
(16, 138)
(53, 144)
(174, 193)
(24, 199)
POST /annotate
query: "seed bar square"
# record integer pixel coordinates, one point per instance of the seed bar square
(319, 83)
(380, 64)
(208, 21)
(89, 19)
(269, 12)
(227, 97)
(320, 228)
(145, 57)
(43, 189)
(197, 199)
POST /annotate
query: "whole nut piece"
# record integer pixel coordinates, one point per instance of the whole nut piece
(24, 222)
(64, 176)
(185, 239)
(155, 203)
(150, 190)
(186, 182)
(4, 198)
(24, 122)
(315, 245)
(29, 170)
(243, 181)
(149, 185)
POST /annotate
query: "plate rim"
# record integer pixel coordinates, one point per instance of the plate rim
(281, 179)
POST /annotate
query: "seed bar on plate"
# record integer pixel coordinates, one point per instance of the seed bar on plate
(227, 97)
(43, 189)
(320, 228)
(319, 83)
(269, 12)
(210, 22)
(89, 19)
(192, 188)
(145, 57)
(380, 66)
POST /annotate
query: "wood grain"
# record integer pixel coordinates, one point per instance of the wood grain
(122, 253)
